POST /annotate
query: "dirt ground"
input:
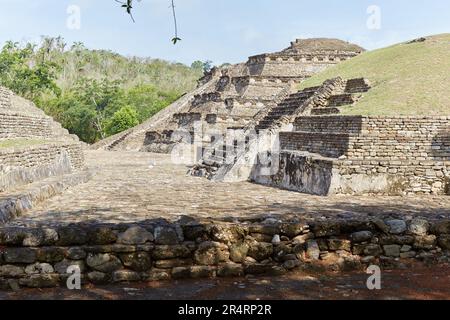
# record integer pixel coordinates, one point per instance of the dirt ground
(417, 282)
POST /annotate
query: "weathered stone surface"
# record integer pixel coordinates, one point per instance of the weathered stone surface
(339, 244)
(125, 276)
(267, 229)
(419, 227)
(444, 241)
(381, 225)
(20, 255)
(166, 236)
(230, 270)
(259, 268)
(425, 242)
(312, 250)
(76, 253)
(97, 277)
(11, 271)
(40, 281)
(238, 252)
(392, 250)
(291, 264)
(396, 239)
(327, 228)
(405, 248)
(441, 227)
(260, 250)
(361, 236)
(276, 239)
(396, 226)
(71, 235)
(408, 254)
(103, 262)
(372, 250)
(292, 230)
(139, 261)
(63, 266)
(33, 238)
(157, 275)
(173, 263)
(261, 237)
(170, 252)
(202, 272)
(194, 232)
(11, 236)
(181, 272)
(301, 239)
(102, 235)
(135, 235)
(211, 253)
(39, 268)
(50, 254)
(228, 234)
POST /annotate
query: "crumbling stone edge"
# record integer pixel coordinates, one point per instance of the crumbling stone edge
(158, 250)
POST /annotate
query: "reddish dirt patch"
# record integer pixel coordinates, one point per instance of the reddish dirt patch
(418, 282)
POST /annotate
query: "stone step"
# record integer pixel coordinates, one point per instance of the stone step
(324, 111)
(341, 100)
(17, 201)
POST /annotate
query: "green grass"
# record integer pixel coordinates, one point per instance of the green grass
(18, 143)
(406, 79)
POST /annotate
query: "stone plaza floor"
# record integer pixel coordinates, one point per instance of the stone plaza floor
(132, 186)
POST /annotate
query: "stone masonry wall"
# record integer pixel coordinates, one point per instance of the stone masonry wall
(310, 173)
(17, 125)
(40, 155)
(147, 251)
(370, 138)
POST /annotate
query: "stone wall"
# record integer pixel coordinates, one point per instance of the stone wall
(21, 125)
(294, 65)
(409, 138)
(147, 251)
(5, 98)
(327, 155)
(21, 166)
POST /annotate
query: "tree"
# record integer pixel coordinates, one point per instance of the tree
(123, 119)
(204, 66)
(24, 75)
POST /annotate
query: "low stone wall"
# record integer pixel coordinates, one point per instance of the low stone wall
(309, 173)
(21, 166)
(40, 257)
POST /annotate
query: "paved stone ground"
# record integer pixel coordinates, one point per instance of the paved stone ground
(131, 186)
(418, 282)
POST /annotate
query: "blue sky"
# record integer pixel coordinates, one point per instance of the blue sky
(221, 30)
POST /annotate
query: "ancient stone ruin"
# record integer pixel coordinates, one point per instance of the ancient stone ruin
(249, 122)
(234, 96)
(38, 158)
(244, 123)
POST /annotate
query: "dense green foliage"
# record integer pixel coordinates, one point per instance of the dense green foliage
(93, 93)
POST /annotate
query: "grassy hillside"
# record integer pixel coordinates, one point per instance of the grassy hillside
(406, 79)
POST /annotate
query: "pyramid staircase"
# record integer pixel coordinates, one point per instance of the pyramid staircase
(325, 99)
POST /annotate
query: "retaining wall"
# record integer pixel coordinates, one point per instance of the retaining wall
(20, 166)
(40, 257)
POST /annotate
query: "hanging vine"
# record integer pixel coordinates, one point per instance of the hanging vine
(128, 5)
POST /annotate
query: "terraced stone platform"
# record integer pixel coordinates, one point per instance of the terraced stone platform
(132, 187)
